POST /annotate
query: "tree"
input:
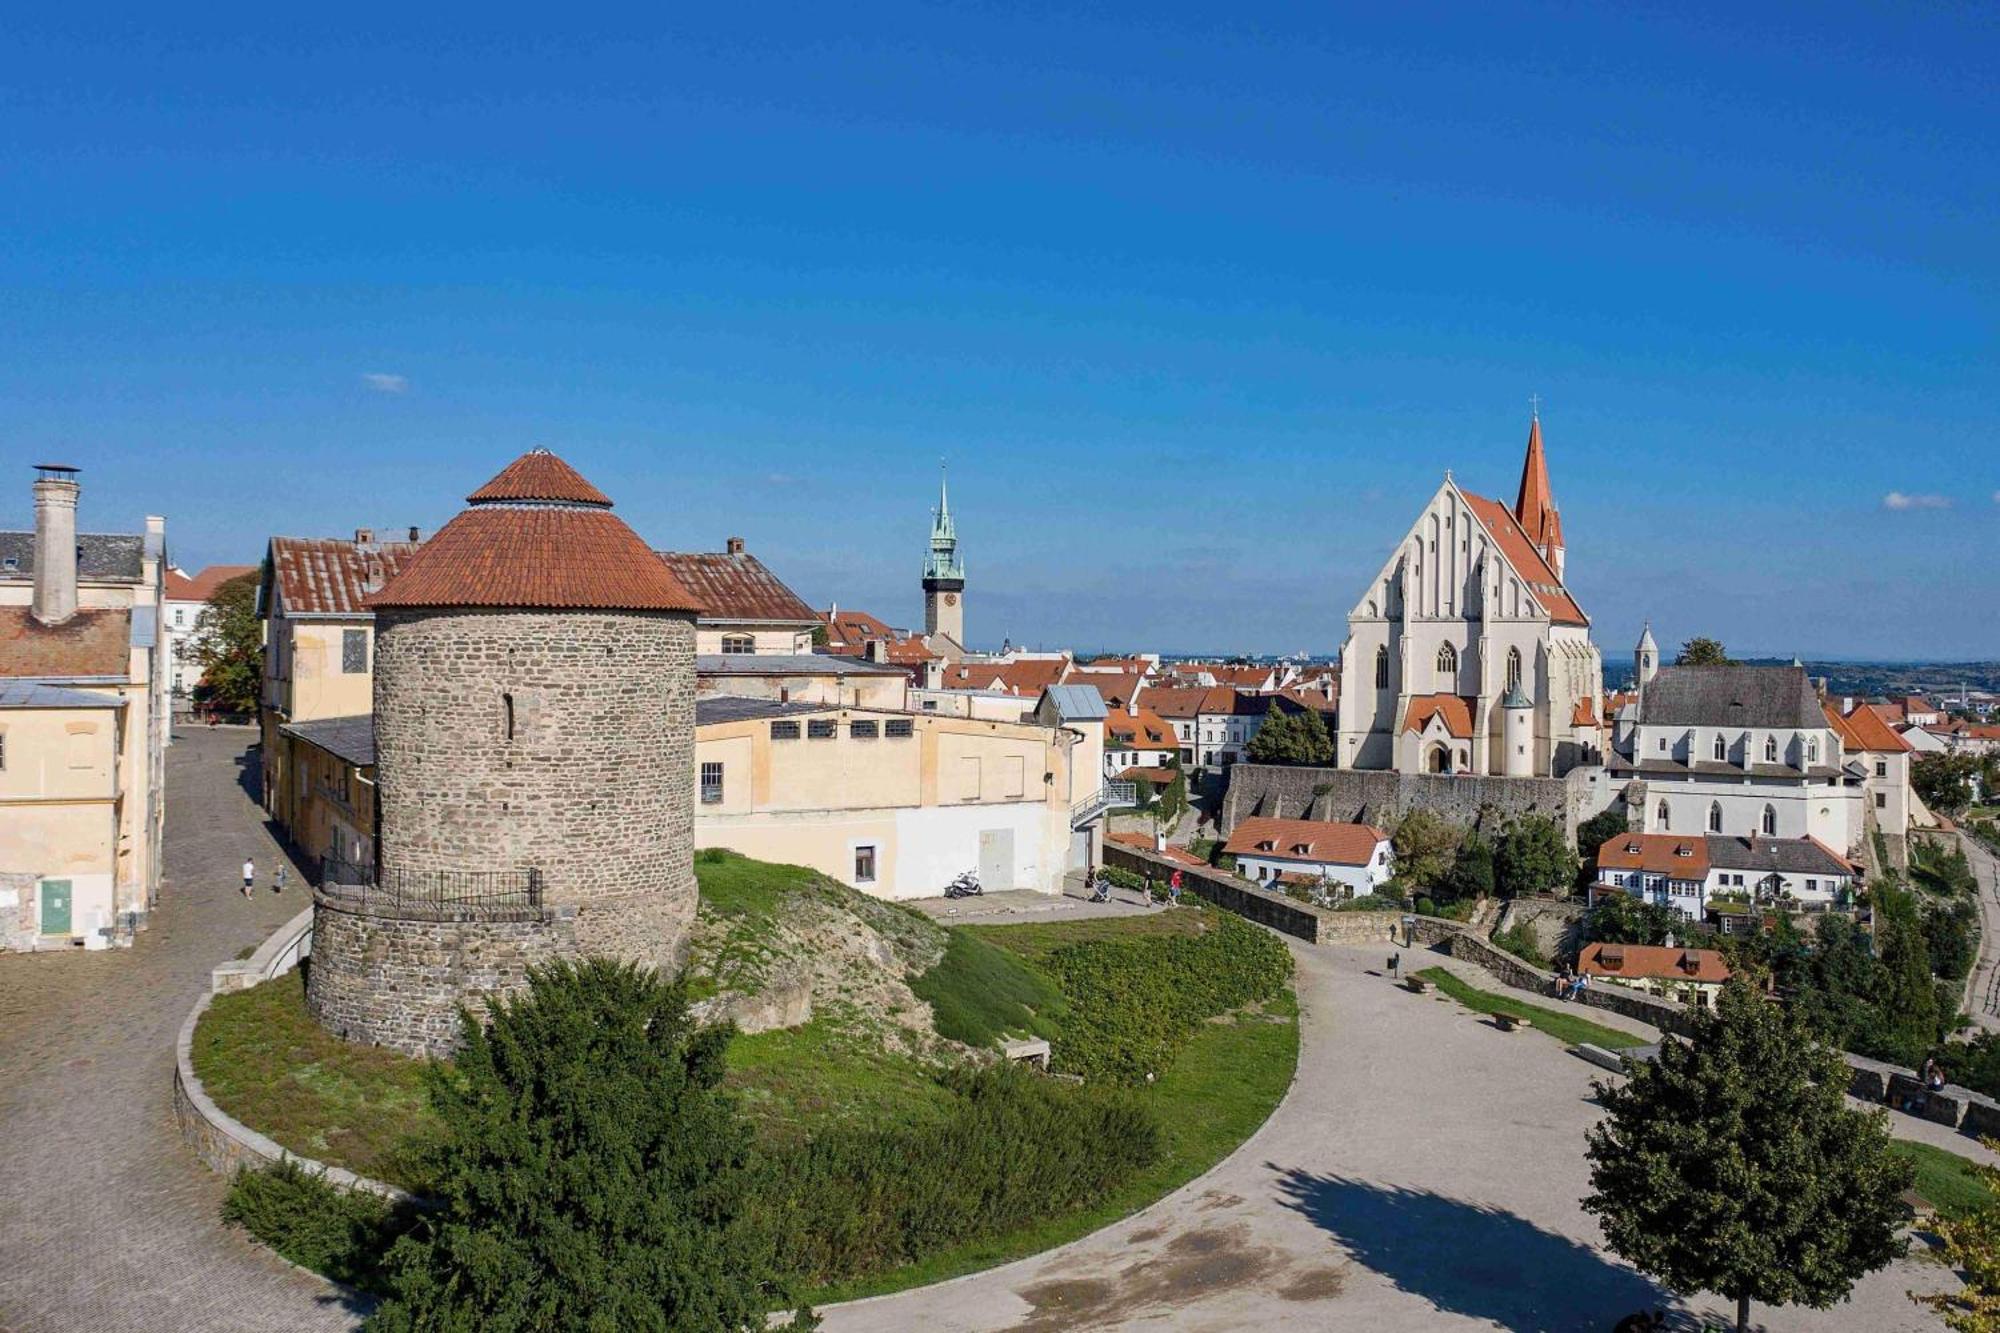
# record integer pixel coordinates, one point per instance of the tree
(1906, 1001)
(1620, 918)
(1173, 799)
(1426, 846)
(1600, 828)
(1533, 856)
(1944, 781)
(1970, 1244)
(1471, 873)
(592, 1173)
(228, 644)
(1732, 1164)
(1291, 738)
(1700, 651)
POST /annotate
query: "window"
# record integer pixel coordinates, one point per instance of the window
(1721, 749)
(1381, 668)
(1812, 886)
(863, 729)
(1664, 821)
(820, 729)
(1881, 800)
(899, 728)
(1812, 749)
(930, 705)
(1881, 768)
(711, 784)
(1770, 749)
(1513, 667)
(507, 716)
(1663, 745)
(1014, 776)
(1770, 823)
(784, 731)
(353, 651)
(738, 643)
(864, 864)
(1715, 816)
(180, 616)
(1447, 660)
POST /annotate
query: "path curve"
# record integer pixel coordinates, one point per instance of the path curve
(107, 1220)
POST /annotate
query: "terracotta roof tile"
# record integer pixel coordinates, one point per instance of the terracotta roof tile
(200, 587)
(89, 643)
(1124, 730)
(539, 475)
(1456, 712)
(1864, 730)
(1542, 582)
(1672, 855)
(320, 576)
(1306, 840)
(1649, 962)
(735, 585)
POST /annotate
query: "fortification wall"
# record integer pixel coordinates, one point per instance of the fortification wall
(1382, 798)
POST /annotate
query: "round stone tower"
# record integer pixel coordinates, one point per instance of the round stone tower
(534, 741)
(1517, 733)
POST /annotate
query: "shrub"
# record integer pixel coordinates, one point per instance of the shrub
(1425, 907)
(1520, 941)
(979, 993)
(1132, 1003)
(1016, 1149)
(1370, 902)
(310, 1222)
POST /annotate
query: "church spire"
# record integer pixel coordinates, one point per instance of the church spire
(1535, 505)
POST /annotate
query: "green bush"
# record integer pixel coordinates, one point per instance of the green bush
(1520, 941)
(1425, 907)
(1120, 878)
(310, 1222)
(1017, 1149)
(979, 993)
(1134, 1002)
(1370, 902)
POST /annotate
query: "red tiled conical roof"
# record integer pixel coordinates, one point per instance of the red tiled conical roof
(537, 536)
(540, 475)
(1534, 507)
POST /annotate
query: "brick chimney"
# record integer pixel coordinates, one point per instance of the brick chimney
(416, 534)
(735, 545)
(56, 490)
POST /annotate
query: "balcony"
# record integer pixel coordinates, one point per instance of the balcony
(430, 891)
(1110, 796)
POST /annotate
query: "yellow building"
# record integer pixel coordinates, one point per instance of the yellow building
(82, 726)
(319, 646)
(899, 803)
(332, 762)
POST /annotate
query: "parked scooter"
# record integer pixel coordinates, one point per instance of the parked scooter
(965, 886)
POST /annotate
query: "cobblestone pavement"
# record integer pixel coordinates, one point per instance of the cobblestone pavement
(1982, 988)
(107, 1222)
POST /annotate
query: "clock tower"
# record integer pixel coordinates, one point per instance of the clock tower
(944, 576)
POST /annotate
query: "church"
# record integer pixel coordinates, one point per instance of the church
(1467, 654)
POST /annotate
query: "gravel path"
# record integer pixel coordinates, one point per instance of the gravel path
(106, 1221)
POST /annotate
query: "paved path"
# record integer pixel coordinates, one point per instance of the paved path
(1016, 906)
(1422, 1174)
(106, 1221)
(1982, 992)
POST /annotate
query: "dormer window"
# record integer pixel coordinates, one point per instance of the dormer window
(1301, 848)
(1770, 749)
(1267, 846)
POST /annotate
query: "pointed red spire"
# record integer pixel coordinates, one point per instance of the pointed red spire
(1534, 500)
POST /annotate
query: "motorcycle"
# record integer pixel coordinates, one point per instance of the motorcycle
(965, 886)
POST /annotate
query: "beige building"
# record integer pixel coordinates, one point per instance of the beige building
(745, 608)
(319, 644)
(83, 726)
(898, 803)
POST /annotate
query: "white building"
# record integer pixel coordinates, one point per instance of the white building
(1687, 872)
(1355, 857)
(186, 596)
(1470, 608)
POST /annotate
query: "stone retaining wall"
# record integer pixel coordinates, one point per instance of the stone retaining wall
(396, 977)
(1383, 798)
(1227, 892)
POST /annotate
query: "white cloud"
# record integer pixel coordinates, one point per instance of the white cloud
(382, 383)
(787, 479)
(1996, 497)
(1898, 500)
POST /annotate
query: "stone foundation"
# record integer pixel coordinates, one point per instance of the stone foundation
(396, 977)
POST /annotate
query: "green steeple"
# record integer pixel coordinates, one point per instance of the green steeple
(943, 561)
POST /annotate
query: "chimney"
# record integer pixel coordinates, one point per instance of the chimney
(933, 673)
(56, 490)
(416, 534)
(876, 650)
(364, 536)
(735, 545)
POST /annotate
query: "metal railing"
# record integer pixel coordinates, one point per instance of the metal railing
(1112, 795)
(438, 889)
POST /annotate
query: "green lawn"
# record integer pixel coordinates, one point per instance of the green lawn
(1565, 1027)
(980, 992)
(1039, 939)
(1949, 1182)
(792, 1080)
(266, 1062)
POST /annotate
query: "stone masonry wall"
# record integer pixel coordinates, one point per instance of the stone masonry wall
(594, 785)
(396, 979)
(1382, 798)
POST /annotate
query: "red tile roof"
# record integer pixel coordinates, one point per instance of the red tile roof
(1520, 551)
(1124, 730)
(330, 576)
(1865, 730)
(537, 535)
(1144, 842)
(1672, 855)
(1306, 840)
(1176, 701)
(1650, 962)
(1585, 713)
(89, 643)
(1456, 712)
(735, 585)
(1027, 677)
(202, 586)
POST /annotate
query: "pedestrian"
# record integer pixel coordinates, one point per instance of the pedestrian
(249, 875)
(1174, 889)
(1395, 961)
(279, 885)
(1561, 981)
(1146, 891)
(1096, 885)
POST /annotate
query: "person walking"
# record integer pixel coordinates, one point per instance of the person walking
(1174, 889)
(249, 875)
(278, 885)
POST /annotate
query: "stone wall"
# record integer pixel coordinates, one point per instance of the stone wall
(1556, 922)
(1382, 798)
(1662, 1014)
(396, 977)
(561, 741)
(1227, 892)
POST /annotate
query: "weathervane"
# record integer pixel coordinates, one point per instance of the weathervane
(1535, 406)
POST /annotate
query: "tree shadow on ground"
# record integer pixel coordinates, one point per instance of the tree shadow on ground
(1472, 1259)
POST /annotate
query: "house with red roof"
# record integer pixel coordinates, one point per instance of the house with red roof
(187, 595)
(1353, 859)
(1467, 653)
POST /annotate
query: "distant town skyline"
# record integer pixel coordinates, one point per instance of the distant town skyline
(1197, 311)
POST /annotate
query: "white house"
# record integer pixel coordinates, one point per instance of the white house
(186, 595)
(1685, 872)
(1311, 851)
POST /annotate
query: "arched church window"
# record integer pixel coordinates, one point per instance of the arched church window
(1381, 668)
(1812, 749)
(1715, 816)
(1770, 749)
(1447, 660)
(1513, 667)
(1664, 822)
(1721, 749)
(1770, 821)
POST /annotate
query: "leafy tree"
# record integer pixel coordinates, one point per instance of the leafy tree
(1471, 873)
(1287, 737)
(1426, 846)
(1949, 939)
(1620, 918)
(1732, 1164)
(1173, 798)
(228, 645)
(1970, 1244)
(592, 1173)
(1533, 856)
(1700, 651)
(1600, 828)
(1907, 999)
(1944, 781)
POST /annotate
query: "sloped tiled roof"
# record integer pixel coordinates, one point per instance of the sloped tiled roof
(1144, 842)
(331, 576)
(538, 535)
(735, 585)
(1175, 701)
(1025, 676)
(89, 643)
(1863, 730)
(1791, 855)
(1731, 696)
(1651, 962)
(1514, 543)
(1676, 856)
(1124, 730)
(1306, 840)
(1456, 712)
(201, 586)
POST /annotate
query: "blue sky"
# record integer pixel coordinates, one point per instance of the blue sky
(1198, 305)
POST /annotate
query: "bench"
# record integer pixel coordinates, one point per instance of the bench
(1416, 985)
(1507, 1022)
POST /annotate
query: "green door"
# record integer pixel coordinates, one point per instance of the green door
(55, 907)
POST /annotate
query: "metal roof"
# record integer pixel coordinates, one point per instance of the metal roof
(24, 693)
(789, 664)
(1731, 696)
(736, 586)
(712, 708)
(349, 738)
(1078, 703)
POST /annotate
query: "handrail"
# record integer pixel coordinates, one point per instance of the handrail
(1110, 795)
(439, 889)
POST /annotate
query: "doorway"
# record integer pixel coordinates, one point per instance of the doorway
(56, 897)
(996, 858)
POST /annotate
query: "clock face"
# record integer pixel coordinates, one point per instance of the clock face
(951, 599)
